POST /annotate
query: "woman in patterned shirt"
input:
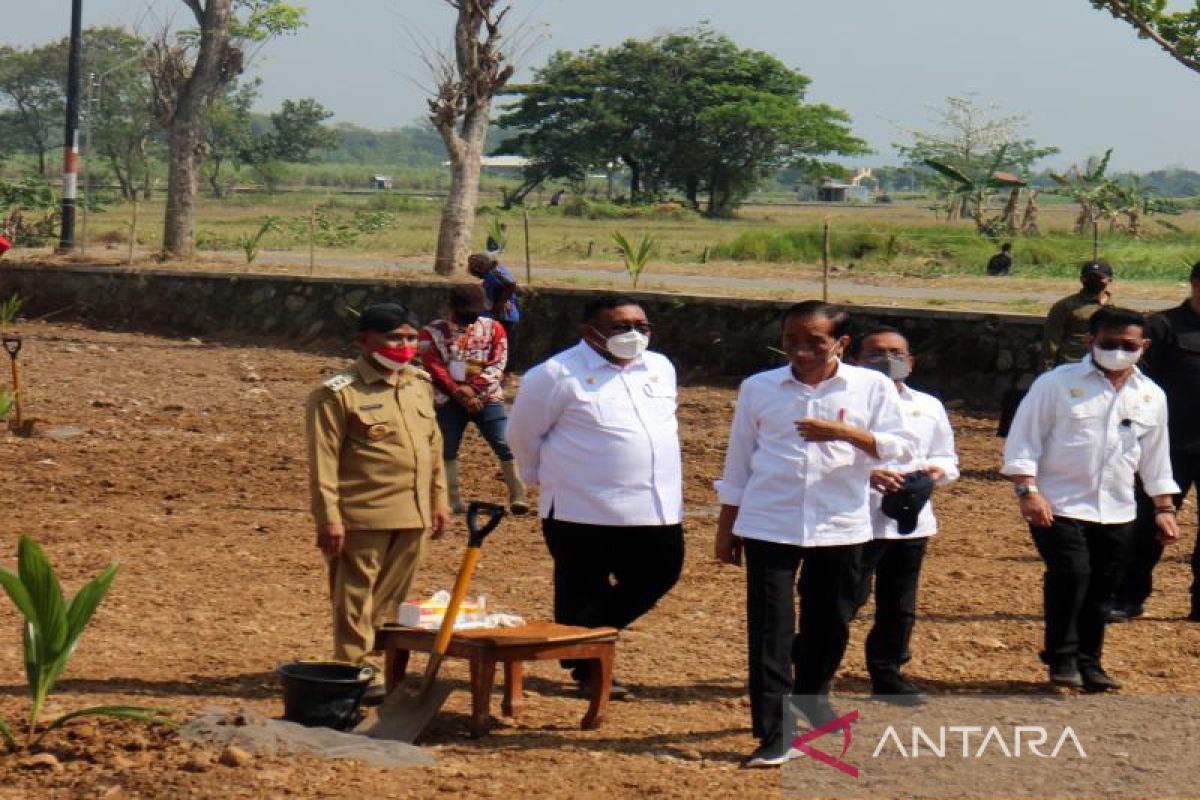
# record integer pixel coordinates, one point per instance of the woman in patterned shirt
(466, 354)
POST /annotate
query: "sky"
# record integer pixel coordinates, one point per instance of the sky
(1084, 80)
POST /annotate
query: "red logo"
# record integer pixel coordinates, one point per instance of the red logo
(843, 724)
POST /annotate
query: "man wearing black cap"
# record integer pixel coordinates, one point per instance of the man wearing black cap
(1173, 362)
(1065, 335)
(902, 518)
(376, 477)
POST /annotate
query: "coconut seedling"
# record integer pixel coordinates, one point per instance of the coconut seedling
(51, 632)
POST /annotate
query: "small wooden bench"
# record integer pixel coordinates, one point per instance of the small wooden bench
(485, 648)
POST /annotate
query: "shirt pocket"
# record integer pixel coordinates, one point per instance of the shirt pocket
(372, 428)
(1085, 422)
(662, 401)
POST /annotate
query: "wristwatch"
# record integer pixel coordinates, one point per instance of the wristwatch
(1022, 489)
(1172, 510)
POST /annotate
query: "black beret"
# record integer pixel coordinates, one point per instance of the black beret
(386, 317)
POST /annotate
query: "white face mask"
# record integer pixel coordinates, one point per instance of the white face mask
(627, 346)
(1115, 360)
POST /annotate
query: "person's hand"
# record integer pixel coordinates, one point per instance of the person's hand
(935, 473)
(1036, 510)
(1168, 528)
(887, 480)
(823, 430)
(728, 547)
(439, 520)
(331, 538)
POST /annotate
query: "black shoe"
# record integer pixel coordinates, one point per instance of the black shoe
(816, 709)
(1194, 616)
(894, 688)
(1124, 612)
(1066, 675)
(1096, 680)
(772, 753)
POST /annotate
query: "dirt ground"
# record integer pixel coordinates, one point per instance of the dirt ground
(191, 474)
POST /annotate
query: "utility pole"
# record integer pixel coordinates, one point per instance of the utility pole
(66, 241)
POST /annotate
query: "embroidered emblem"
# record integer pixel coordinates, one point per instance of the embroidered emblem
(1077, 392)
(591, 380)
(340, 381)
(377, 433)
(654, 379)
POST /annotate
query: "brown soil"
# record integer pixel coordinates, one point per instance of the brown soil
(192, 476)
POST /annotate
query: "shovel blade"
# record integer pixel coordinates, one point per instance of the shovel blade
(405, 712)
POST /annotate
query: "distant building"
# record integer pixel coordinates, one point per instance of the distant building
(381, 181)
(857, 190)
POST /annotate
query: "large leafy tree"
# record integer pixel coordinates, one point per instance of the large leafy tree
(1176, 32)
(31, 92)
(688, 111)
(189, 72)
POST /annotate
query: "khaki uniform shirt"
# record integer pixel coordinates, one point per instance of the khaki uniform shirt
(375, 450)
(1067, 327)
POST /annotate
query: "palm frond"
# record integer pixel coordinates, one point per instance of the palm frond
(950, 172)
(140, 713)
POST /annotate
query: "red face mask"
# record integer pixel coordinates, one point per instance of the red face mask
(395, 357)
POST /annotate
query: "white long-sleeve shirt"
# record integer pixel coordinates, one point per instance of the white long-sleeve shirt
(600, 440)
(926, 418)
(810, 494)
(1083, 441)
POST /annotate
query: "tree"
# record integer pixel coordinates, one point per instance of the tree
(188, 74)
(31, 87)
(975, 190)
(227, 134)
(461, 112)
(689, 111)
(1176, 32)
(977, 141)
(119, 119)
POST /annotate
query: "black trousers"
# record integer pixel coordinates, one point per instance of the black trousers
(895, 565)
(781, 662)
(1145, 552)
(1084, 562)
(609, 576)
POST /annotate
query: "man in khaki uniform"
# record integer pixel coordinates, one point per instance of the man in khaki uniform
(1064, 339)
(375, 467)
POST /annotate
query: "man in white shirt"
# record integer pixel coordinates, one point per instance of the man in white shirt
(895, 556)
(595, 428)
(795, 491)
(1079, 438)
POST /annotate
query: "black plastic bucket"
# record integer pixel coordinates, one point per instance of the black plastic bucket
(324, 693)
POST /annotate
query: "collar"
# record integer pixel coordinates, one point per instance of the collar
(1094, 369)
(787, 376)
(368, 372)
(593, 360)
(1103, 299)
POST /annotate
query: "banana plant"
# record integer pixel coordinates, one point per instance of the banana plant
(636, 258)
(974, 191)
(1088, 187)
(51, 632)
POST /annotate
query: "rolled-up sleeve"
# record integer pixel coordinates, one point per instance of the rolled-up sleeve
(743, 436)
(1154, 466)
(1034, 417)
(941, 448)
(895, 442)
(534, 413)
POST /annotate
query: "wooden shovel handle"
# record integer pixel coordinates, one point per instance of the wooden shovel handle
(461, 584)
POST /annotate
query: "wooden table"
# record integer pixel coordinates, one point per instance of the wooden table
(485, 648)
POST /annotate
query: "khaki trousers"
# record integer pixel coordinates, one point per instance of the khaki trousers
(367, 584)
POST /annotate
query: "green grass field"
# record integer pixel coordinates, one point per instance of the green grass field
(897, 239)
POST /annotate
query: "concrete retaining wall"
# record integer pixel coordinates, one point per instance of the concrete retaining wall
(964, 356)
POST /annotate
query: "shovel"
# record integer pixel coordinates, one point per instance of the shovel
(412, 705)
(12, 346)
